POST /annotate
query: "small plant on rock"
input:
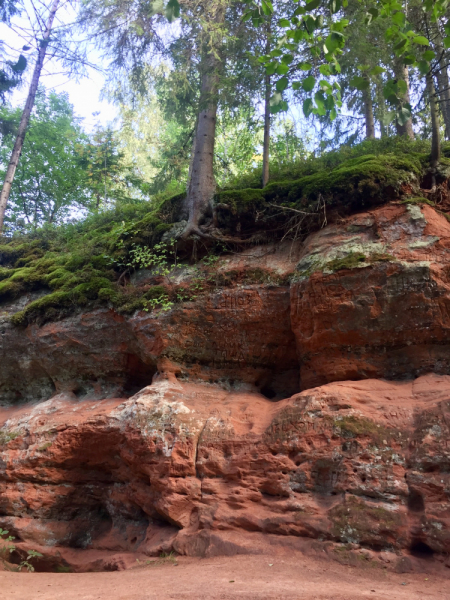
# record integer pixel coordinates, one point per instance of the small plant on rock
(8, 548)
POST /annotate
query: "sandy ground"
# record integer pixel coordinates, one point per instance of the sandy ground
(238, 577)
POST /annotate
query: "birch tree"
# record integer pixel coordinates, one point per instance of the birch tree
(25, 118)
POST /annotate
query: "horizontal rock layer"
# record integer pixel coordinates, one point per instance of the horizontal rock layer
(369, 297)
(361, 462)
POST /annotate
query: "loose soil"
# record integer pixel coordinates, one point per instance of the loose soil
(228, 578)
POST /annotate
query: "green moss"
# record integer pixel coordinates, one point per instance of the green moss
(380, 257)
(351, 261)
(417, 200)
(353, 427)
(354, 184)
(81, 264)
(8, 436)
(41, 306)
(44, 447)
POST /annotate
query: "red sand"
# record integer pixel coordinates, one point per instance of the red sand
(238, 577)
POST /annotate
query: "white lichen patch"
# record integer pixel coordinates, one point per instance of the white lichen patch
(429, 240)
(415, 213)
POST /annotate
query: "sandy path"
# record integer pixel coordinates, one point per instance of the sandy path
(238, 577)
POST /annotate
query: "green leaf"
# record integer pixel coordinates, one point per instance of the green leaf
(334, 41)
(399, 19)
(310, 24)
(172, 10)
(275, 99)
(271, 68)
(421, 40)
(335, 6)
(333, 114)
(305, 66)
(247, 16)
(26, 48)
(276, 52)
(360, 83)
(307, 107)
(401, 87)
(423, 67)
(388, 118)
(296, 85)
(377, 70)
(329, 102)
(447, 42)
(408, 60)
(428, 55)
(374, 12)
(403, 115)
(299, 11)
(267, 7)
(309, 83)
(287, 59)
(299, 34)
(282, 84)
(284, 23)
(320, 103)
(312, 5)
(325, 70)
(401, 44)
(282, 69)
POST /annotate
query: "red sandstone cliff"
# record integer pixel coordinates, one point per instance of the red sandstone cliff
(224, 440)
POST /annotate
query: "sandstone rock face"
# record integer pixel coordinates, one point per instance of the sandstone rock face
(174, 430)
(390, 316)
(179, 464)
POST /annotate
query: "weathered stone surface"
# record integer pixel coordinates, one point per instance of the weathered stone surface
(239, 334)
(389, 315)
(360, 462)
(219, 440)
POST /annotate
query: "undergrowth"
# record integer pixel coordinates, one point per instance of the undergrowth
(87, 263)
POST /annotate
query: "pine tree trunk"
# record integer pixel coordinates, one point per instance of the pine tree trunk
(401, 73)
(368, 113)
(380, 104)
(25, 119)
(266, 143)
(444, 91)
(435, 135)
(202, 183)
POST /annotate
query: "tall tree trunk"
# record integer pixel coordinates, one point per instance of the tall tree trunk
(25, 119)
(444, 88)
(266, 142)
(368, 113)
(401, 73)
(202, 184)
(380, 107)
(435, 135)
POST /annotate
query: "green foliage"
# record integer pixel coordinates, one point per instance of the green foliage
(162, 302)
(8, 548)
(154, 258)
(47, 186)
(84, 264)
